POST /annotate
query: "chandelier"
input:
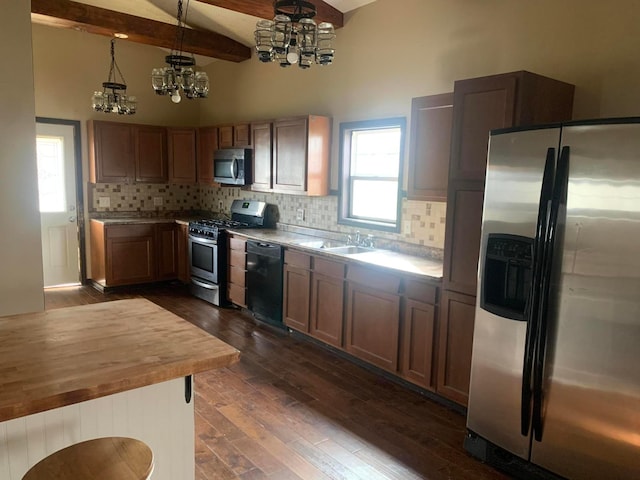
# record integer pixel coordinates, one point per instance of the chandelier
(180, 74)
(113, 97)
(293, 37)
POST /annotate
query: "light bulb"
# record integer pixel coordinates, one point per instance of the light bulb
(175, 97)
(292, 57)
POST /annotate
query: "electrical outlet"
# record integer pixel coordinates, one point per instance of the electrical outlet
(220, 206)
(104, 202)
(157, 201)
(300, 215)
(407, 228)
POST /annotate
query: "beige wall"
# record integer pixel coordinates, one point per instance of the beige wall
(20, 250)
(391, 50)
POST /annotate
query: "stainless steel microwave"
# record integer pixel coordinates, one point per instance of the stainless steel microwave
(232, 166)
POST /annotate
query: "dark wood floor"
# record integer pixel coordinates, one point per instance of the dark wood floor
(292, 410)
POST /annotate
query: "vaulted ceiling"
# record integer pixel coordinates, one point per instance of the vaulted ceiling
(220, 29)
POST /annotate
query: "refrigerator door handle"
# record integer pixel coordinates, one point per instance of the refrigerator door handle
(534, 296)
(559, 192)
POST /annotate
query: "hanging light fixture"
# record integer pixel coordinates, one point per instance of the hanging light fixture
(113, 97)
(293, 36)
(180, 74)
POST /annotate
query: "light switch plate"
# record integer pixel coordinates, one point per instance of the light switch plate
(300, 215)
(407, 228)
(104, 202)
(157, 201)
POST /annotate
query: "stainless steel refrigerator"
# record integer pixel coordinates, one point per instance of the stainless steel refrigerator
(555, 380)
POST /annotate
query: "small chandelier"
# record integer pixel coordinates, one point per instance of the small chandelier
(293, 37)
(113, 97)
(180, 74)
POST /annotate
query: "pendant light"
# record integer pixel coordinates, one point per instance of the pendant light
(113, 97)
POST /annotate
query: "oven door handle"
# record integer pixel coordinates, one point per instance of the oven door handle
(202, 240)
(208, 286)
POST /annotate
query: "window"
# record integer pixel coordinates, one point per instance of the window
(371, 154)
(51, 181)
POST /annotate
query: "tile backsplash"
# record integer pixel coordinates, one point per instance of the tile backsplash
(423, 223)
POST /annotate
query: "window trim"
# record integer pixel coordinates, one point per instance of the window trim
(345, 179)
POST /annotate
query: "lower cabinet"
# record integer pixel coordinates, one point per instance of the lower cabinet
(184, 265)
(373, 316)
(455, 344)
(167, 251)
(327, 301)
(296, 291)
(237, 271)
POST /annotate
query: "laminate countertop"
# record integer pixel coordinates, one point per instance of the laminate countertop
(69, 355)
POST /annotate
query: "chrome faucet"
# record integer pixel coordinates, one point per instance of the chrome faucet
(360, 241)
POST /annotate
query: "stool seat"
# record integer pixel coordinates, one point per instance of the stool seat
(109, 458)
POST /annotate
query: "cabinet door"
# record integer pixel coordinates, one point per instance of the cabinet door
(372, 324)
(110, 146)
(184, 265)
(431, 120)
(241, 135)
(182, 155)
(296, 297)
(150, 145)
(327, 308)
(290, 155)
(262, 156)
(130, 254)
(207, 144)
(479, 105)
(225, 136)
(167, 251)
(455, 343)
(418, 353)
(462, 237)
(236, 285)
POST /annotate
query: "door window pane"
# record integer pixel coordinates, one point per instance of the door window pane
(51, 182)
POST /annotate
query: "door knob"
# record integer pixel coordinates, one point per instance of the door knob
(72, 219)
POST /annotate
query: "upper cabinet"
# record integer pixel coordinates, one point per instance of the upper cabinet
(182, 155)
(237, 135)
(262, 141)
(500, 101)
(301, 155)
(126, 153)
(430, 141)
(207, 144)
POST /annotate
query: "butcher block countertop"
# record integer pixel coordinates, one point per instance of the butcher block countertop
(61, 357)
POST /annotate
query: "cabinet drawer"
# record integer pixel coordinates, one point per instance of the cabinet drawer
(421, 291)
(328, 267)
(297, 259)
(374, 279)
(237, 275)
(237, 294)
(238, 244)
(115, 231)
(237, 258)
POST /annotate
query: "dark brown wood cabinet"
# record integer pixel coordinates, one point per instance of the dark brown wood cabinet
(207, 144)
(167, 251)
(262, 141)
(184, 265)
(111, 154)
(418, 343)
(301, 155)
(296, 290)
(237, 272)
(182, 155)
(130, 255)
(126, 153)
(455, 345)
(236, 135)
(326, 321)
(373, 316)
(150, 153)
(430, 143)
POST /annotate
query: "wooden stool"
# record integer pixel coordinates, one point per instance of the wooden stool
(109, 458)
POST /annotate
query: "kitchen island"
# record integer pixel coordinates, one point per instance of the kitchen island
(120, 368)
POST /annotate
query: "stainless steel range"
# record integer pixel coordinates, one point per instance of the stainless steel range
(208, 247)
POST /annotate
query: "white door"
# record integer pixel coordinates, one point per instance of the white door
(58, 211)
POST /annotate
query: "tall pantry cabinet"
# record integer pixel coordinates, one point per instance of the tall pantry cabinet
(480, 105)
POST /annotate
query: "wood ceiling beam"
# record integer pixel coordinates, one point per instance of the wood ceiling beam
(78, 16)
(264, 9)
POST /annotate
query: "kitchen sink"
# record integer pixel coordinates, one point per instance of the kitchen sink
(324, 244)
(350, 249)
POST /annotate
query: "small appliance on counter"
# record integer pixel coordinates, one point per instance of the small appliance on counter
(208, 247)
(232, 166)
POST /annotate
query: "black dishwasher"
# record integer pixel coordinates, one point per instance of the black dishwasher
(264, 281)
